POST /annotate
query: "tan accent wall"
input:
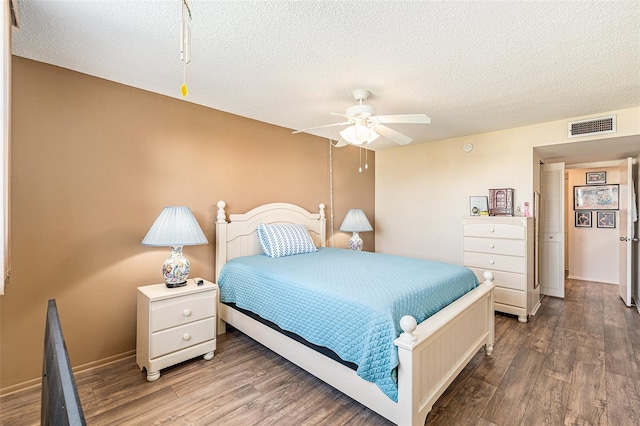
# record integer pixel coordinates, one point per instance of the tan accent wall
(94, 163)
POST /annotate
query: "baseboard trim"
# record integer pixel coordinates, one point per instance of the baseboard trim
(21, 386)
(78, 369)
(104, 361)
(575, 277)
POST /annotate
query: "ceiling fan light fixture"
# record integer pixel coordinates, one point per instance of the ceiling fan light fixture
(358, 134)
(349, 135)
(362, 133)
(372, 136)
(366, 126)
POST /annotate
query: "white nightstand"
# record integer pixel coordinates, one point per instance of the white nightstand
(175, 324)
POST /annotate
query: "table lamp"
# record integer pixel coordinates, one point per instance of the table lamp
(175, 227)
(355, 221)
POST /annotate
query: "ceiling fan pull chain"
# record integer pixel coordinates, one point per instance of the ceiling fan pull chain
(360, 168)
(185, 45)
(183, 88)
(331, 190)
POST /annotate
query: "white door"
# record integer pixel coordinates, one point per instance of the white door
(626, 231)
(552, 229)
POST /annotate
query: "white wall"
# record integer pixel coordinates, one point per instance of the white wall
(593, 252)
(422, 191)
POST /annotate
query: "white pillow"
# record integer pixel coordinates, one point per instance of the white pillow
(279, 240)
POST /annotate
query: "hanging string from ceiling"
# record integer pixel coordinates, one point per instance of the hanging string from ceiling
(366, 166)
(366, 161)
(331, 191)
(185, 45)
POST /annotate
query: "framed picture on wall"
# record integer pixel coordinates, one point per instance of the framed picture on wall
(596, 178)
(606, 219)
(583, 219)
(596, 197)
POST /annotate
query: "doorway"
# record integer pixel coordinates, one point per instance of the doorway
(584, 240)
(591, 249)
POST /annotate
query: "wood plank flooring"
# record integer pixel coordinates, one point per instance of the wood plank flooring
(575, 363)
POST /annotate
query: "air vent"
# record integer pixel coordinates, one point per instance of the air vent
(594, 126)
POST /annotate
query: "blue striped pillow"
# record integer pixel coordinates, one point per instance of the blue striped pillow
(281, 240)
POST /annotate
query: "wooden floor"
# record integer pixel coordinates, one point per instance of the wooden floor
(575, 363)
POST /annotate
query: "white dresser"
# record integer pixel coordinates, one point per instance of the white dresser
(504, 246)
(175, 324)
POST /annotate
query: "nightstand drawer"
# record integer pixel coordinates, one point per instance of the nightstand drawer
(494, 230)
(169, 313)
(496, 246)
(177, 338)
(495, 262)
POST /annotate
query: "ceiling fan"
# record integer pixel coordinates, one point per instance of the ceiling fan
(366, 126)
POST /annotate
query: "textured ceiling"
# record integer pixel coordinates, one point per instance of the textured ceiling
(471, 66)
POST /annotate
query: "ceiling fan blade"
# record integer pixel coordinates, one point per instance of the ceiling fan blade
(404, 118)
(391, 134)
(341, 143)
(320, 127)
(351, 118)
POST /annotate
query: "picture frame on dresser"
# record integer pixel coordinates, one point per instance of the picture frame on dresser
(583, 219)
(596, 197)
(478, 206)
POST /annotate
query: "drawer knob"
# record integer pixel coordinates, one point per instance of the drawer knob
(491, 262)
(492, 246)
(492, 230)
(186, 336)
(187, 312)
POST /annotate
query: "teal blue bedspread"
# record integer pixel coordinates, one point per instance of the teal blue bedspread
(348, 301)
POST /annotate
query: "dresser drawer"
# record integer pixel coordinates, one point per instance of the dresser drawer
(174, 339)
(182, 310)
(495, 246)
(511, 297)
(504, 279)
(494, 230)
(495, 262)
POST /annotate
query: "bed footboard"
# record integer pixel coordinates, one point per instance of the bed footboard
(432, 354)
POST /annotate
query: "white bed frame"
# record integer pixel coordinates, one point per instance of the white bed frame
(431, 354)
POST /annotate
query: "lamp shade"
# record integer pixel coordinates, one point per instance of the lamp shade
(175, 226)
(355, 221)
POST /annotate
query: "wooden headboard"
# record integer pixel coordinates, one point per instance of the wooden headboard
(237, 237)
